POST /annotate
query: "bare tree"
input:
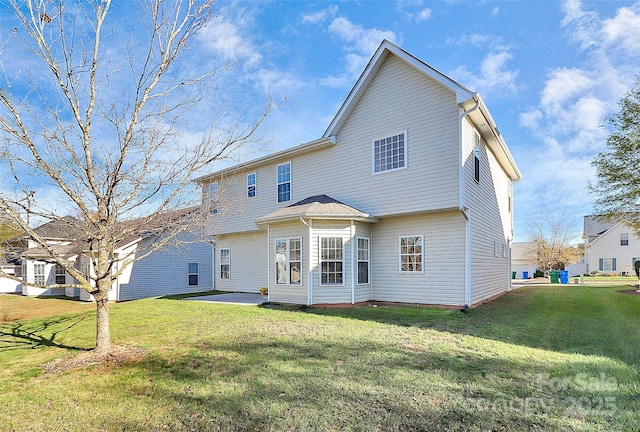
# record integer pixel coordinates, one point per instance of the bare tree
(551, 239)
(108, 129)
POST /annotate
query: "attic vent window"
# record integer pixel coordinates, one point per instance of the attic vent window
(390, 153)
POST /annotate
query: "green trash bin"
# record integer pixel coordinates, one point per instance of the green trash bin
(513, 275)
(553, 274)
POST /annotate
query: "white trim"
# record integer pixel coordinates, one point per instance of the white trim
(320, 261)
(228, 263)
(400, 254)
(357, 259)
(255, 184)
(406, 153)
(287, 260)
(190, 273)
(290, 182)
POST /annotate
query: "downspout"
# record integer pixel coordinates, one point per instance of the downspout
(310, 273)
(268, 263)
(353, 281)
(467, 252)
(213, 265)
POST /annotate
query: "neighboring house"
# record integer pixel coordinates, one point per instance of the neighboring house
(406, 197)
(171, 270)
(521, 263)
(9, 285)
(610, 248)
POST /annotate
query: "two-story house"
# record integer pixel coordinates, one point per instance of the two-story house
(176, 268)
(406, 197)
(610, 248)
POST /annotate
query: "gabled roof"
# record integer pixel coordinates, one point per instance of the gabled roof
(595, 226)
(65, 228)
(467, 100)
(316, 207)
(605, 233)
(381, 54)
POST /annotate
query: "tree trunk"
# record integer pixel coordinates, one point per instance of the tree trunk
(103, 331)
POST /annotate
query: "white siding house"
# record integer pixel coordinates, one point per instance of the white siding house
(173, 269)
(610, 248)
(406, 197)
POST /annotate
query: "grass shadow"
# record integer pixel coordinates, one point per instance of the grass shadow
(584, 320)
(189, 295)
(35, 333)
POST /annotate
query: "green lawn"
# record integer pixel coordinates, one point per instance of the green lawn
(540, 358)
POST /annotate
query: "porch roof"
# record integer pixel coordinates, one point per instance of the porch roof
(316, 207)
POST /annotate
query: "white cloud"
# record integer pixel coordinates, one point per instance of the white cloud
(621, 32)
(320, 16)
(493, 74)
(423, 15)
(413, 10)
(224, 37)
(565, 83)
(273, 81)
(573, 106)
(363, 41)
(360, 44)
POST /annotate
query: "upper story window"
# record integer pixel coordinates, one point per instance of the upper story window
(390, 153)
(213, 197)
(284, 182)
(624, 239)
(251, 185)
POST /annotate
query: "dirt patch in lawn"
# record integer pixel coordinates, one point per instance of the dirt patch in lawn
(630, 292)
(118, 354)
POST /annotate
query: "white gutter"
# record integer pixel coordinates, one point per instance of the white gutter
(467, 249)
(310, 273)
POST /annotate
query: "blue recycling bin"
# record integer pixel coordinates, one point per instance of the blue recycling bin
(564, 276)
(525, 275)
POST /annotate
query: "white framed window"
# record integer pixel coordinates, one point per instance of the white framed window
(363, 260)
(213, 197)
(411, 254)
(284, 182)
(288, 261)
(24, 271)
(624, 239)
(38, 274)
(60, 275)
(225, 263)
(331, 261)
(389, 153)
(607, 264)
(251, 185)
(193, 274)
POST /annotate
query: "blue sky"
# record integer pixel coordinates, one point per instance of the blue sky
(549, 71)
